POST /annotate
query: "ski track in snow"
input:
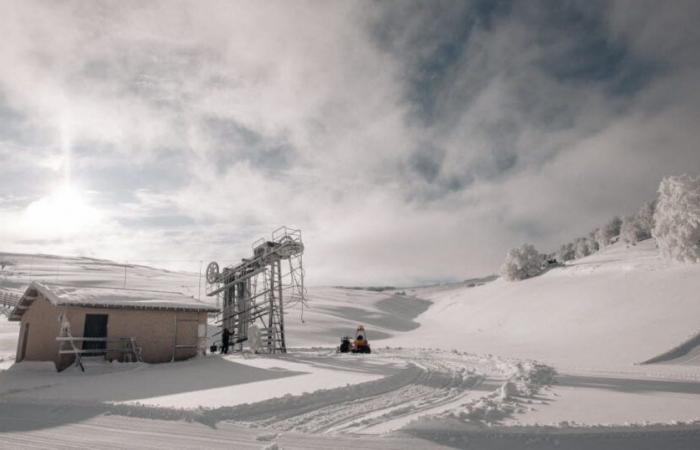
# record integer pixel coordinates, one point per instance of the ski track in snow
(428, 383)
(430, 380)
(432, 383)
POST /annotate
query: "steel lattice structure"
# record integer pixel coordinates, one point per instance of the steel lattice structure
(256, 291)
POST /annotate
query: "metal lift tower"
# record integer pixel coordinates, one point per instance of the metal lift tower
(256, 291)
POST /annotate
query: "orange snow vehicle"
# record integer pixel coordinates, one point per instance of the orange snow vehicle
(361, 344)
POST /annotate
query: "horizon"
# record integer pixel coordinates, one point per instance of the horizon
(196, 274)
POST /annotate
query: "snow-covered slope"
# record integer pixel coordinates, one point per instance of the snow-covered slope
(18, 270)
(429, 376)
(336, 312)
(618, 307)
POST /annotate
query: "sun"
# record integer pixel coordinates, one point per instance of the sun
(66, 210)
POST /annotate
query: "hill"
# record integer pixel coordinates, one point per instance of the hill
(620, 306)
(449, 361)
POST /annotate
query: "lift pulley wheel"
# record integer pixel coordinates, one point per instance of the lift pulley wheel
(212, 272)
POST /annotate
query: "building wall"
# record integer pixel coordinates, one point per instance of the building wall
(42, 318)
(163, 335)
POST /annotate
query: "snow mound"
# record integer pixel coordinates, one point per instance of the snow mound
(525, 382)
(687, 353)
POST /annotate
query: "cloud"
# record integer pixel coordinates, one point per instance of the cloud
(411, 141)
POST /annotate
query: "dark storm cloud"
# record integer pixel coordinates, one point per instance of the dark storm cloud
(427, 161)
(433, 44)
(548, 47)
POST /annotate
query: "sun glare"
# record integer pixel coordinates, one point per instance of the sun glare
(64, 211)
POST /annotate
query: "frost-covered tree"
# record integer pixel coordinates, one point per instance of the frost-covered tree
(631, 230)
(593, 236)
(584, 246)
(523, 262)
(614, 225)
(592, 243)
(677, 218)
(600, 237)
(645, 219)
(566, 253)
(606, 234)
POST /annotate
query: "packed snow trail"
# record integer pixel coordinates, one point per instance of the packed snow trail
(417, 383)
(119, 432)
(429, 379)
(29, 428)
(428, 383)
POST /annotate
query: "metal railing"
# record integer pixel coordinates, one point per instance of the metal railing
(124, 348)
(8, 301)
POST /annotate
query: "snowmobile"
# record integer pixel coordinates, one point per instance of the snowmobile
(361, 344)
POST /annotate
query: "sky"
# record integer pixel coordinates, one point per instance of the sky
(410, 141)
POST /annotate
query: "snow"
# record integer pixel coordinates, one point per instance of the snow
(335, 312)
(618, 307)
(370, 394)
(593, 320)
(29, 426)
(589, 400)
(117, 297)
(551, 361)
(211, 381)
(8, 341)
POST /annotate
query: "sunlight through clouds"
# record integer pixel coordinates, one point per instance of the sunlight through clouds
(64, 212)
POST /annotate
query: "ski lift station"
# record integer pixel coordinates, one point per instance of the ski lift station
(65, 323)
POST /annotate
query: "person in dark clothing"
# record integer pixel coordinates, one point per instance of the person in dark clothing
(225, 338)
(344, 344)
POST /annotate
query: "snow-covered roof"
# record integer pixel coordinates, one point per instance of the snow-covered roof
(107, 297)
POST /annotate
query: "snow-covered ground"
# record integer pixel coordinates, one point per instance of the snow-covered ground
(8, 341)
(615, 308)
(594, 320)
(452, 366)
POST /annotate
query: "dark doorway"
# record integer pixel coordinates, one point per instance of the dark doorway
(95, 327)
(24, 336)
